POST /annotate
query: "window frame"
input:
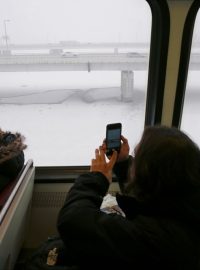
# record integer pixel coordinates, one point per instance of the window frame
(155, 90)
(157, 61)
(184, 63)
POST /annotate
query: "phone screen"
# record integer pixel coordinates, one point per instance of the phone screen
(113, 137)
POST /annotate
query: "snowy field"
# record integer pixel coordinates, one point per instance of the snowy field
(65, 121)
(63, 115)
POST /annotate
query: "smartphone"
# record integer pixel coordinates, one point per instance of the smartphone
(113, 138)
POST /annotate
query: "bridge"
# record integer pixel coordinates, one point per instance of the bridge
(74, 62)
(124, 62)
(74, 45)
(127, 63)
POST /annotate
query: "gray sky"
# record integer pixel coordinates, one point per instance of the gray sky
(33, 21)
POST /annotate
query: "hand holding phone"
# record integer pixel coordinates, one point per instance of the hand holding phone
(124, 150)
(113, 138)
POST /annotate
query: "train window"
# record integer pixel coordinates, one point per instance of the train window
(67, 69)
(191, 108)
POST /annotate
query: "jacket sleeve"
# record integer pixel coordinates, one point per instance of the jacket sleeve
(122, 170)
(87, 231)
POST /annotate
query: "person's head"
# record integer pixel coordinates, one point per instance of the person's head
(11, 156)
(167, 164)
(11, 144)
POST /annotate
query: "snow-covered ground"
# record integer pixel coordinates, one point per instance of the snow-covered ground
(63, 115)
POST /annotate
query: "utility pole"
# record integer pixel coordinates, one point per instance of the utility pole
(6, 36)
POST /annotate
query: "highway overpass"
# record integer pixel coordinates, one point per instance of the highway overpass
(74, 45)
(74, 62)
(126, 63)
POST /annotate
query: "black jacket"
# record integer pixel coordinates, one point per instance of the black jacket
(157, 236)
(9, 169)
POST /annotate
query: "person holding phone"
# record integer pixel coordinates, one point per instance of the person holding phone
(160, 196)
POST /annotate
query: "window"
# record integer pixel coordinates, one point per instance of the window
(67, 69)
(191, 110)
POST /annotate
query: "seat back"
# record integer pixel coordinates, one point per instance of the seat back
(14, 216)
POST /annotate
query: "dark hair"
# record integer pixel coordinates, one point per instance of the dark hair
(167, 164)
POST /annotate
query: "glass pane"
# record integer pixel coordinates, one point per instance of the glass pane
(191, 110)
(67, 69)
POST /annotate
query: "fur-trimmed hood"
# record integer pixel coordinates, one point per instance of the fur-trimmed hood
(13, 148)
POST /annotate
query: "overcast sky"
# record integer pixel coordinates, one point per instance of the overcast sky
(33, 21)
